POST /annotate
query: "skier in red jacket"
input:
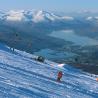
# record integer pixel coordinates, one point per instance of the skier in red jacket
(59, 75)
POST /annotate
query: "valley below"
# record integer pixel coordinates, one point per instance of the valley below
(72, 40)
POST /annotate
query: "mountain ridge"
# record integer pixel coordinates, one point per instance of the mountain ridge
(34, 16)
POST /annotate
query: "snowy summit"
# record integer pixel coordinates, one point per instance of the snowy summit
(33, 15)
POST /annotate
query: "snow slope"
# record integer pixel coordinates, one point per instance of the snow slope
(23, 77)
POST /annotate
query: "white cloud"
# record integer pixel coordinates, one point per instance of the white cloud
(15, 15)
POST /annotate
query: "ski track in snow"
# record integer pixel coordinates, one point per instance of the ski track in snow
(23, 77)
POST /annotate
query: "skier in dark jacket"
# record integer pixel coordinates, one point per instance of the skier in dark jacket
(59, 75)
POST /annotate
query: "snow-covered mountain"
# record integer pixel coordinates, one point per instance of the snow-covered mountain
(44, 16)
(93, 19)
(23, 77)
(35, 16)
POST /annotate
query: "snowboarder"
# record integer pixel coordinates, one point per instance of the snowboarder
(59, 76)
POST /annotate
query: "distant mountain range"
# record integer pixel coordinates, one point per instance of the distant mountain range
(44, 16)
(34, 16)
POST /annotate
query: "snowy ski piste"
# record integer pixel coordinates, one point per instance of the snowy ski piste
(23, 77)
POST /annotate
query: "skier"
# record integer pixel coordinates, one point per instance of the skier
(59, 76)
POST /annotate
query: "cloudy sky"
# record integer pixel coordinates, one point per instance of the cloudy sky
(50, 5)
